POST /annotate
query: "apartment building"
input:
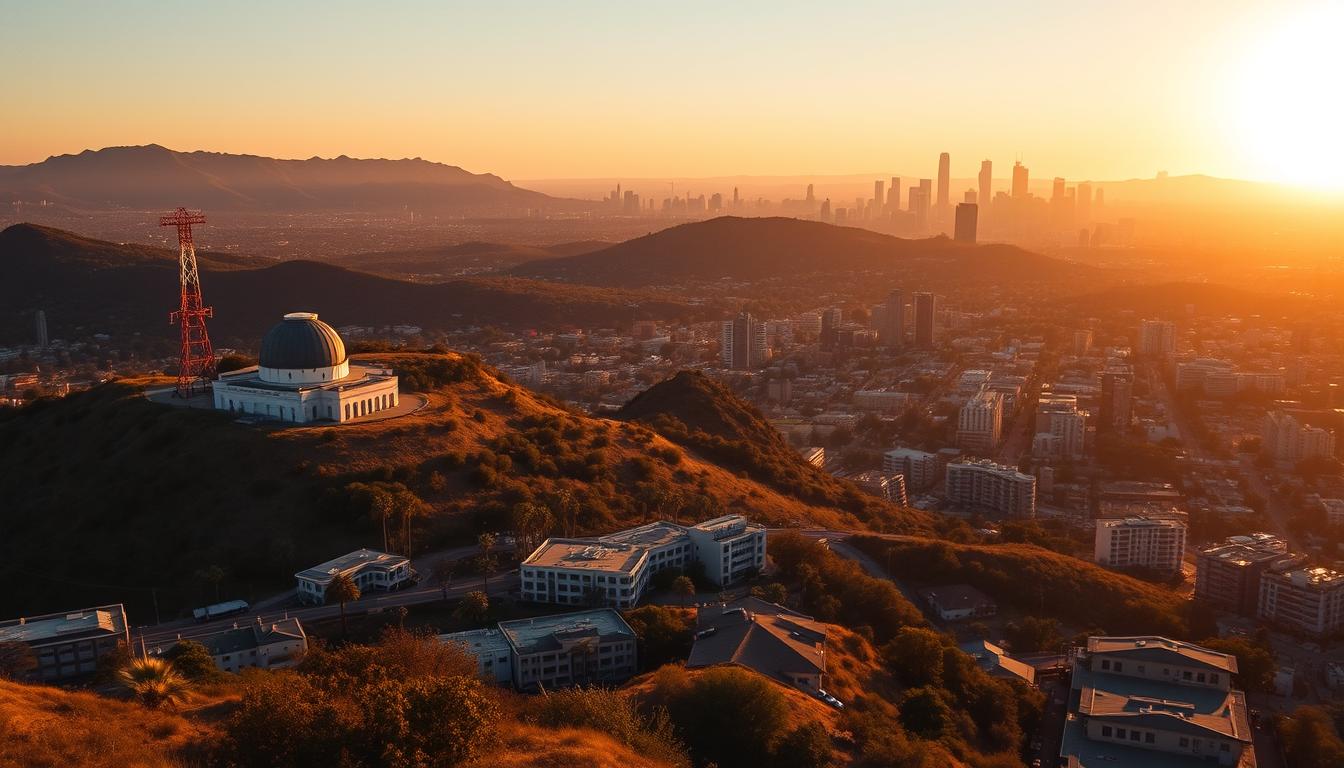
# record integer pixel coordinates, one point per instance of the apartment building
(1155, 542)
(616, 569)
(1309, 600)
(68, 645)
(980, 423)
(889, 486)
(994, 488)
(1284, 438)
(919, 468)
(1061, 428)
(1135, 696)
(373, 571)
(1227, 574)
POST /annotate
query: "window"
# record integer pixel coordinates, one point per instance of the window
(1213, 678)
(1149, 738)
(1119, 666)
(1105, 663)
(1185, 742)
(1133, 735)
(1200, 677)
(1106, 731)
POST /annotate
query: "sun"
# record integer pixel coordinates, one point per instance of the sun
(1288, 97)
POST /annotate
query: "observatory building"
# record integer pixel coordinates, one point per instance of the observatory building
(305, 376)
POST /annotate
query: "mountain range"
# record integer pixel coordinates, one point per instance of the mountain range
(152, 177)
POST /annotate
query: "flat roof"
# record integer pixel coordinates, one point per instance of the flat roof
(478, 641)
(587, 554)
(355, 561)
(103, 620)
(547, 632)
(654, 534)
(1162, 649)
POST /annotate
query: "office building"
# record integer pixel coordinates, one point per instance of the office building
(831, 319)
(1153, 542)
(989, 487)
(743, 343)
(1082, 212)
(964, 229)
(1307, 600)
(919, 468)
(616, 569)
(1157, 338)
(371, 570)
(586, 648)
(986, 183)
(944, 180)
(894, 195)
(825, 213)
(770, 639)
(1227, 574)
(491, 649)
(1154, 701)
(67, 645)
(980, 423)
(891, 329)
(1063, 426)
(1020, 179)
(925, 311)
(1082, 342)
(879, 202)
(1117, 392)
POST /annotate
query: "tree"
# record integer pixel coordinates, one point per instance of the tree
(16, 660)
(342, 589)
(1255, 662)
(727, 715)
(193, 661)
(474, 607)
(664, 636)
(409, 506)
(807, 746)
(915, 656)
(443, 575)
(154, 682)
(1032, 634)
(924, 713)
(211, 574)
(531, 523)
(1310, 739)
(683, 586)
(487, 543)
(771, 593)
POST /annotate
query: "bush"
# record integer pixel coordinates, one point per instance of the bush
(612, 713)
(726, 715)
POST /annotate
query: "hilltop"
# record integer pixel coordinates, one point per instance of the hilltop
(88, 286)
(162, 492)
(760, 248)
(438, 262)
(152, 177)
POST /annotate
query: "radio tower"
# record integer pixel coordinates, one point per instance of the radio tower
(197, 359)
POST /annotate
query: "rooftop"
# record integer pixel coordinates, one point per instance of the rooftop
(89, 622)
(1191, 710)
(727, 525)
(351, 563)
(996, 661)
(648, 535)
(552, 632)
(766, 637)
(1310, 577)
(256, 635)
(587, 554)
(1162, 648)
(479, 641)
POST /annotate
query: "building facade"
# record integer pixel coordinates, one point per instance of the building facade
(984, 485)
(1309, 600)
(586, 648)
(1227, 574)
(980, 423)
(919, 468)
(371, 570)
(1058, 418)
(1153, 542)
(68, 645)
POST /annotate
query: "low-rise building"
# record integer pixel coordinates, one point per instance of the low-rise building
(588, 647)
(68, 645)
(1153, 542)
(986, 486)
(490, 647)
(956, 602)
(768, 638)
(919, 468)
(373, 571)
(889, 486)
(996, 661)
(1309, 600)
(270, 645)
(1132, 697)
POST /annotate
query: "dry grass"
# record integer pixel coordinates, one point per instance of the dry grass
(526, 746)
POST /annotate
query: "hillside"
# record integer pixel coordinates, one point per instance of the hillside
(152, 177)
(1171, 299)
(440, 262)
(761, 248)
(693, 411)
(89, 286)
(163, 492)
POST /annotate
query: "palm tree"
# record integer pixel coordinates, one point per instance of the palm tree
(380, 508)
(683, 586)
(342, 589)
(487, 542)
(443, 575)
(409, 506)
(211, 574)
(154, 681)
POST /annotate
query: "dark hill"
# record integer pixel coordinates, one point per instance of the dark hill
(755, 249)
(445, 261)
(89, 286)
(694, 411)
(154, 177)
(108, 494)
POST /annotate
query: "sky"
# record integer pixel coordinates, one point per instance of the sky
(533, 90)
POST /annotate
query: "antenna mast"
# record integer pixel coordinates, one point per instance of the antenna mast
(197, 359)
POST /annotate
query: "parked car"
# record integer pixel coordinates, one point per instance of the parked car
(829, 699)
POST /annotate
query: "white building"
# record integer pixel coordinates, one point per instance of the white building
(980, 422)
(494, 655)
(742, 343)
(372, 571)
(1307, 599)
(889, 486)
(616, 569)
(1153, 542)
(919, 468)
(586, 648)
(68, 644)
(1284, 438)
(273, 645)
(1058, 417)
(1157, 337)
(305, 376)
(984, 485)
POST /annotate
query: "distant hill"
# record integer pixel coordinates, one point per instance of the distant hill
(696, 412)
(162, 492)
(472, 258)
(1171, 299)
(760, 248)
(154, 177)
(88, 286)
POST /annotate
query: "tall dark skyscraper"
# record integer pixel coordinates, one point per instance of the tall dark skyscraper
(924, 313)
(1019, 181)
(1083, 210)
(742, 345)
(891, 332)
(944, 179)
(1117, 389)
(894, 194)
(42, 341)
(879, 200)
(965, 225)
(830, 327)
(810, 197)
(986, 181)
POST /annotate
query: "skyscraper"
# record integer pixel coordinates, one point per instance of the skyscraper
(1057, 189)
(825, 214)
(891, 332)
(879, 200)
(743, 343)
(1083, 210)
(965, 225)
(830, 324)
(1019, 181)
(894, 194)
(944, 179)
(810, 197)
(986, 180)
(924, 312)
(42, 342)
(1117, 389)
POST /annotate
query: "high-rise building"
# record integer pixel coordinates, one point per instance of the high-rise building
(980, 423)
(737, 202)
(1308, 600)
(894, 194)
(810, 197)
(879, 200)
(925, 310)
(984, 485)
(1065, 427)
(1082, 341)
(742, 345)
(1284, 438)
(1082, 211)
(944, 179)
(825, 214)
(986, 182)
(1227, 574)
(1117, 391)
(1057, 188)
(42, 341)
(830, 326)
(1154, 542)
(966, 221)
(891, 331)
(1020, 179)
(919, 468)
(715, 202)
(1157, 337)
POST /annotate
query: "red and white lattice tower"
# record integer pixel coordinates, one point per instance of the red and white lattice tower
(197, 359)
